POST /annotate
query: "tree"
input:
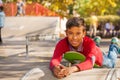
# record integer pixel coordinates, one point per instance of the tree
(82, 7)
(59, 6)
(104, 7)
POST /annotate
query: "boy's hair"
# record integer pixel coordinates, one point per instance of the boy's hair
(75, 21)
(1, 8)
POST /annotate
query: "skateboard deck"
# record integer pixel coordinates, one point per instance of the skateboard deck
(73, 57)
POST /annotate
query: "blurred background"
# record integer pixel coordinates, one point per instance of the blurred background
(105, 10)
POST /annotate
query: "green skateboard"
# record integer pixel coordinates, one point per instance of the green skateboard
(75, 57)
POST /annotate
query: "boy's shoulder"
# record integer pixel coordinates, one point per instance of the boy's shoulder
(86, 38)
(63, 41)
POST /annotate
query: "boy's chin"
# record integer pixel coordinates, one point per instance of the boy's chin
(75, 46)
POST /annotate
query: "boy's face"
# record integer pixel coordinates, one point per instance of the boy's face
(75, 36)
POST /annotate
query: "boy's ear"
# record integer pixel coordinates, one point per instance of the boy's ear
(84, 34)
(66, 32)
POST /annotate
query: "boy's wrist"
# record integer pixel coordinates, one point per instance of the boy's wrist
(74, 69)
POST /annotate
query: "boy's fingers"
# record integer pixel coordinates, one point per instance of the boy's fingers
(64, 72)
(61, 71)
(60, 76)
(62, 66)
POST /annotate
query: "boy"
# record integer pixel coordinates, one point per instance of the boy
(76, 40)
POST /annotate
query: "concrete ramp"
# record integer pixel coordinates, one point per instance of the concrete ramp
(20, 26)
(93, 74)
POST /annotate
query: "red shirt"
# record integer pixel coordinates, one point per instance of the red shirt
(89, 49)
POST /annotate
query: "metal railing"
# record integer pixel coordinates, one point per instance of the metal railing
(113, 74)
(39, 37)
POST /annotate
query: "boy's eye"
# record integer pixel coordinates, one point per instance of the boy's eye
(70, 33)
(78, 33)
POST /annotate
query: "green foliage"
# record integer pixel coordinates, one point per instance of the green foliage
(112, 18)
(99, 7)
(82, 7)
(59, 6)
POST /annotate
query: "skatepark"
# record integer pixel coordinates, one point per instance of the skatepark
(16, 61)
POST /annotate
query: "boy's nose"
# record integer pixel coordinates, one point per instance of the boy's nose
(74, 37)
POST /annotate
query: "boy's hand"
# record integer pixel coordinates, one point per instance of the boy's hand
(73, 69)
(60, 71)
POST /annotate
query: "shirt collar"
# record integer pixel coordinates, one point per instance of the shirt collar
(80, 48)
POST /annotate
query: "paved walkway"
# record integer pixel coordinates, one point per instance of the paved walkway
(13, 63)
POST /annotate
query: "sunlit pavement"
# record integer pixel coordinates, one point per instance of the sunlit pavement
(14, 63)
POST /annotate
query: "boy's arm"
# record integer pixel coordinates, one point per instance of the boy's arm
(90, 50)
(85, 65)
(57, 56)
(73, 69)
(61, 71)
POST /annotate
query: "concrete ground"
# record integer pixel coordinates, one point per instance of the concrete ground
(14, 64)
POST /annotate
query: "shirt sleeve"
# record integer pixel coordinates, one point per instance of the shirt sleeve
(57, 56)
(89, 53)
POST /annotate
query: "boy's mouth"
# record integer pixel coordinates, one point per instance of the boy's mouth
(74, 42)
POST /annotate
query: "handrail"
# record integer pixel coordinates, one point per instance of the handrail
(39, 37)
(112, 75)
